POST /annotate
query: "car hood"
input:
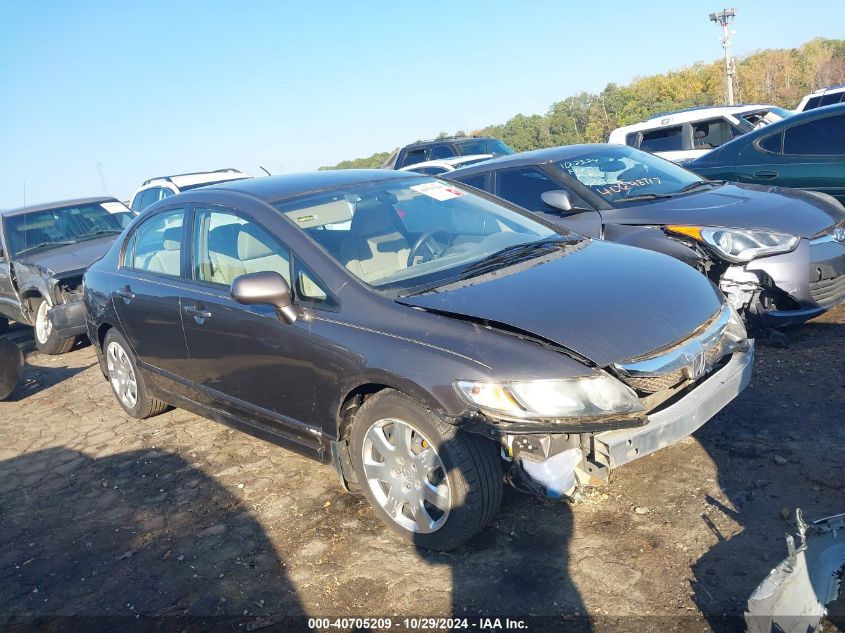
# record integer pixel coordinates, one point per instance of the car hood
(72, 257)
(737, 206)
(606, 302)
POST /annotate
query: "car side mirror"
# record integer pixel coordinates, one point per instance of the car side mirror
(557, 199)
(265, 288)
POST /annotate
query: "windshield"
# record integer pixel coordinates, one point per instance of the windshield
(761, 118)
(621, 174)
(409, 232)
(28, 232)
(482, 146)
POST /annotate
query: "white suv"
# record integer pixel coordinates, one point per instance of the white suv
(687, 134)
(822, 97)
(160, 187)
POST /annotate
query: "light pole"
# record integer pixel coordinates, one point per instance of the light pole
(724, 18)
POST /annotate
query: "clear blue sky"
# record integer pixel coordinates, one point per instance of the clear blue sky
(153, 88)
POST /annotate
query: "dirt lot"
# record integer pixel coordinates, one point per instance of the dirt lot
(177, 515)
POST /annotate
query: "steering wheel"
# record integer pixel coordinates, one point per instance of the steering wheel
(435, 248)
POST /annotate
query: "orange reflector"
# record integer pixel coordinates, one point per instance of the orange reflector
(691, 231)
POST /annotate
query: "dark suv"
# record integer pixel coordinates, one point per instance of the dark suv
(421, 338)
(445, 148)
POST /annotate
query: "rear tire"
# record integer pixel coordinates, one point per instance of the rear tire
(126, 381)
(46, 339)
(429, 482)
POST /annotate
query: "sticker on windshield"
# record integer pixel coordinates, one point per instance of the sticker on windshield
(438, 191)
(114, 207)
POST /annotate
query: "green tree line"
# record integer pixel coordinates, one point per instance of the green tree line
(775, 76)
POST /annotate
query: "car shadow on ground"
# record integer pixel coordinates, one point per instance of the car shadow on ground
(144, 533)
(529, 576)
(36, 378)
(776, 448)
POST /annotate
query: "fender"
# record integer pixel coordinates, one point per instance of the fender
(654, 239)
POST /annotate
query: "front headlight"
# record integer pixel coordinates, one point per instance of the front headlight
(739, 245)
(735, 330)
(596, 396)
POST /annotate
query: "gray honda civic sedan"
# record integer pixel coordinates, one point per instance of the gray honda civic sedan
(426, 340)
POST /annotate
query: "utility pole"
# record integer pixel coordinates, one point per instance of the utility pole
(724, 18)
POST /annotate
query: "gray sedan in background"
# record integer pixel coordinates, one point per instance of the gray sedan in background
(778, 254)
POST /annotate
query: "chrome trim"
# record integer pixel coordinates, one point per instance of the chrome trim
(692, 357)
(677, 421)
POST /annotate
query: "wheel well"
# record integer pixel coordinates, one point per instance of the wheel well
(351, 403)
(101, 333)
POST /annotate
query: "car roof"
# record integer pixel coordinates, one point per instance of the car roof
(535, 157)
(449, 139)
(61, 204)
(197, 177)
(270, 188)
(692, 114)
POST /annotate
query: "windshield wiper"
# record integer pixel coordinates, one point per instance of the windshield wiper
(44, 244)
(499, 259)
(511, 255)
(100, 232)
(701, 183)
(644, 196)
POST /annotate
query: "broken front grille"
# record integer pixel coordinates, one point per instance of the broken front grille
(687, 361)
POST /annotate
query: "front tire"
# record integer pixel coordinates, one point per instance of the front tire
(126, 381)
(428, 481)
(46, 339)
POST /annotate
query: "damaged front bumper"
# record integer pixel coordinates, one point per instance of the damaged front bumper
(554, 464)
(789, 289)
(69, 319)
(793, 596)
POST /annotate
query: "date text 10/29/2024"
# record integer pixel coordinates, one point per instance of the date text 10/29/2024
(420, 624)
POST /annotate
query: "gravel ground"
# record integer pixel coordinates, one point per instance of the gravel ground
(102, 515)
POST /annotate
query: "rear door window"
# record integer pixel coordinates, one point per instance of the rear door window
(666, 139)
(773, 143)
(812, 103)
(441, 151)
(820, 137)
(413, 157)
(830, 98)
(156, 245)
(712, 133)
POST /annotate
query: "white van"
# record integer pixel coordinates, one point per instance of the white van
(687, 134)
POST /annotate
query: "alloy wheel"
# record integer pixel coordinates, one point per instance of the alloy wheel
(43, 325)
(406, 475)
(121, 375)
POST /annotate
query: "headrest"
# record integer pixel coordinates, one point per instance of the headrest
(699, 133)
(373, 217)
(251, 245)
(224, 239)
(172, 238)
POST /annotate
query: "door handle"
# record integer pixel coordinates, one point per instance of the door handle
(197, 312)
(765, 174)
(126, 294)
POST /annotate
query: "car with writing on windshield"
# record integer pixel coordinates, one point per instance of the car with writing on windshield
(44, 250)
(805, 151)
(778, 254)
(424, 339)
